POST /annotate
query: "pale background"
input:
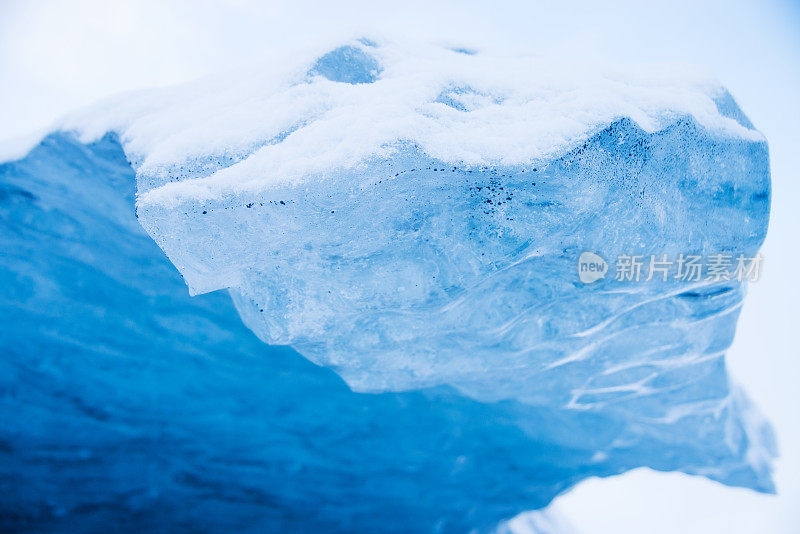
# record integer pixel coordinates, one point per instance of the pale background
(55, 56)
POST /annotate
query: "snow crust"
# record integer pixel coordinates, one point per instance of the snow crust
(320, 113)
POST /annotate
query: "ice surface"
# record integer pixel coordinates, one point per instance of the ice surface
(127, 402)
(409, 217)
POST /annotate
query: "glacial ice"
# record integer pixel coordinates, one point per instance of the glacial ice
(417, 231)
(409, 217)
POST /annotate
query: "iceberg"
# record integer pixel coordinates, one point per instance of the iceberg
(409, 218)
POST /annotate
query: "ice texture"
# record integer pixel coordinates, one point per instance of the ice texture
(410, 218)
(415, 264)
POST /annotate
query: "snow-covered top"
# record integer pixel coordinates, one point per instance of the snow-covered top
(323, 112)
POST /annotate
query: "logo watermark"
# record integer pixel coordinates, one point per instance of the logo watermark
(591, 267)
(661, 267)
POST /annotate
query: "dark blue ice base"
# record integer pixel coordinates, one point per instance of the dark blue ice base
(126, 405)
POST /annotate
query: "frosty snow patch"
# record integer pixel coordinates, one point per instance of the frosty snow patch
(288, 123)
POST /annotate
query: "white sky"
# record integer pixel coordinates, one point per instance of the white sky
(55, 56)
